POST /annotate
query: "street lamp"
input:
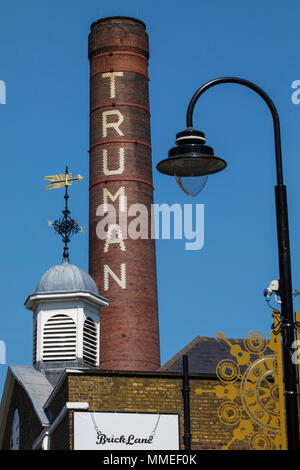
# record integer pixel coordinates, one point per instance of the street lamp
(191, 161)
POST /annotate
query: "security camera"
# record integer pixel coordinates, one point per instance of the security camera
(272, 289)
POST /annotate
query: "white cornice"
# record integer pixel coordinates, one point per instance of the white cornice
(35, 299)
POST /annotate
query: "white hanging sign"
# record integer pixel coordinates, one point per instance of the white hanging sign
(125, 431)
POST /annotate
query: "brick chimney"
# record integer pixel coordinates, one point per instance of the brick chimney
(123, 267)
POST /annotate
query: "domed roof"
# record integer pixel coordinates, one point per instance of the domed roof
(66, 278)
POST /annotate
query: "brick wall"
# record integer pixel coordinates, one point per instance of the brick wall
(121, 166)
(121, 391)
(141, 392)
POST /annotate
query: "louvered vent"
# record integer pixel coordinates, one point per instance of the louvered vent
(90, 342)
(59, 339)
(34, 341)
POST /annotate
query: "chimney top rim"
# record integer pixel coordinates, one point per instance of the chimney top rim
(115, 18)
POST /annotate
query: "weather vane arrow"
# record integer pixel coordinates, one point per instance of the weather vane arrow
(61, 181)
(65, 226)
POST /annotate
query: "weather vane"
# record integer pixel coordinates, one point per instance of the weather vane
(65, 226)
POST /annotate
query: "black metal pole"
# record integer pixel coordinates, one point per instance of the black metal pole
(285, 277)
(186, 403)
(287, 319)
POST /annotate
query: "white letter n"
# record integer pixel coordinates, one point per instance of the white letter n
(121, 282)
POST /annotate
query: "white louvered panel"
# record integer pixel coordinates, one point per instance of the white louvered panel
(59, 339)
(90, 342)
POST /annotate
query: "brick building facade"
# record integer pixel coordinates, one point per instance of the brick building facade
(94, 354)
(47, 410)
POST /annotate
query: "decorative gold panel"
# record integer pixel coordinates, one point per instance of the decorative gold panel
(251, 392)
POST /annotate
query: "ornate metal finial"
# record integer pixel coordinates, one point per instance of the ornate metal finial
(65, 226)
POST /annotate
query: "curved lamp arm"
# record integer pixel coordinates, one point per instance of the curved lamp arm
(260, 92)
(287, 314)
(191, 157)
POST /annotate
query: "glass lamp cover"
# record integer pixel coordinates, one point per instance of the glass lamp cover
(191, 185)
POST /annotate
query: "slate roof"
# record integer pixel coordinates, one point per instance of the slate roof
(204, 354)
(37, 387)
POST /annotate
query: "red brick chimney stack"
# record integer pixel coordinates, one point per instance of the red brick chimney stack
(121, 175)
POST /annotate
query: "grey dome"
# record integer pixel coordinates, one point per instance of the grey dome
(66, 278)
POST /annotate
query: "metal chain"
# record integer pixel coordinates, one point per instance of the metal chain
(98, 430)
(155, 428)
(94, 422)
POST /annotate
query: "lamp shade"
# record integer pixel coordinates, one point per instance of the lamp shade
(191, 157)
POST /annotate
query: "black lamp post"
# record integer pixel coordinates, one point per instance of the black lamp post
(191, 160)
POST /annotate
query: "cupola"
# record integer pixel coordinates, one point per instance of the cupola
(66, 304)
(66, 309)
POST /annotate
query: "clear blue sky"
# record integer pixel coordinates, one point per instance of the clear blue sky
(44, 126)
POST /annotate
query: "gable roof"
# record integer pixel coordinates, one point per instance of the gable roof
(36, 387)
(204, 354)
